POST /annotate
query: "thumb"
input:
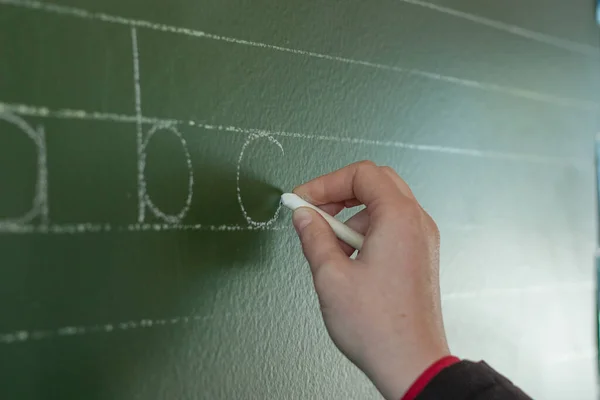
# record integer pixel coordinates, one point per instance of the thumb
(319, 243)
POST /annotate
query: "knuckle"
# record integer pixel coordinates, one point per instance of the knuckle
(366, 168)
(402, 210)
(392, 211)
(413, 206)
(388, 170)
(366, 171)
(318, 236)
(312, 237)
(432, 226)
(395, 211)
(328, 275)
(365, 163)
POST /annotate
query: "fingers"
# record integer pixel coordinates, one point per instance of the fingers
(360, 223)
(352, 203)
(333, 208)
(359, 183)
(379, 188)
(402, 186)
(319, 243)
(362, 181)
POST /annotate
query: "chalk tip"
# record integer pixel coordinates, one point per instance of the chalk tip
(289, 200)
(293, 201)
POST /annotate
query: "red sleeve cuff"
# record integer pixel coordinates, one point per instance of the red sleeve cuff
(430, 373)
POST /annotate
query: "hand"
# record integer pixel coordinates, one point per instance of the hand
(383, 309)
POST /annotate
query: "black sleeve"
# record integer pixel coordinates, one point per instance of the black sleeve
(467, 380)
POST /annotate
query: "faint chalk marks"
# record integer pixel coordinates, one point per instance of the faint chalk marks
(252, 137)
(173, 219)
(191, 227)
(70, 331)
(74, 229)
(42, 188)
(577, 287)
(21, 336)
(59, 229)
(69, 114)
(39, 207)
(35, 111)
(138, 123)
(485, 86)
(512, 29)
(575, 356)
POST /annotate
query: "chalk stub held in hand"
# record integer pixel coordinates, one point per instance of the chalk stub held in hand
(342, 231)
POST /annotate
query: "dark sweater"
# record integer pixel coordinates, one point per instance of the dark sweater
(467, 380)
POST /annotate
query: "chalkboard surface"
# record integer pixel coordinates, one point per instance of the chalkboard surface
(143, 145)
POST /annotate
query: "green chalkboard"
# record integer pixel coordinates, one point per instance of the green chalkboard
(144, 144)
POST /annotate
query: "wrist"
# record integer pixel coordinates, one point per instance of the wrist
(394, 374)
(431, 372)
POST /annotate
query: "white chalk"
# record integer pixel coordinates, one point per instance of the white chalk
(342, 231)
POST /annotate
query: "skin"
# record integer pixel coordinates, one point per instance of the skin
(383, 309)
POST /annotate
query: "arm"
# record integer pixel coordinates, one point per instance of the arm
(383, 309)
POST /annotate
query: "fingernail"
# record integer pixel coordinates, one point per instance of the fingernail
(301, 218)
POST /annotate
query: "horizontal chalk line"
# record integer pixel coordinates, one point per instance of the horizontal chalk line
(80, 228)
(573, 356)
(486, 86)
(539, 289)
(67, 113)
(74, 330)
(44, 112)
(21, 336)
(512, 29)
(99, 228)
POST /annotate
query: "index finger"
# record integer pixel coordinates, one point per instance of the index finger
(363, 181)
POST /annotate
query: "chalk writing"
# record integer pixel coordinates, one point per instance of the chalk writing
(250, 139)
(68, 114)
(12, 113)
(174, 219)
(138, 126)
(39, 207)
